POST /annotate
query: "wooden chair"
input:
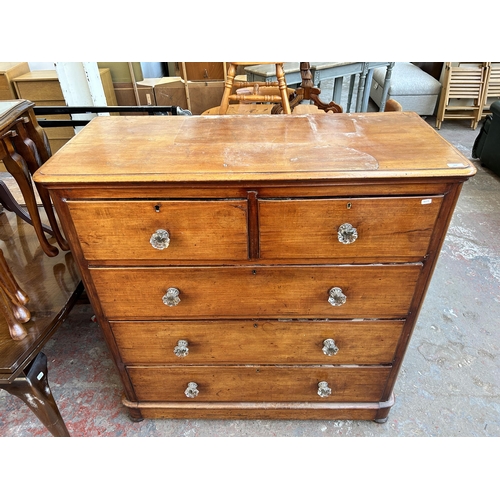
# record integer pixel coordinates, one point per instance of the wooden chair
(307, 91)
(492, 87)
(464, 81)
(39, 281)
(281, 97)
(392, 105)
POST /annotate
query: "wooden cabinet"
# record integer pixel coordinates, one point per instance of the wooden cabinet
(201, 70)
(257, 267)
(44, 89)
(9, 71)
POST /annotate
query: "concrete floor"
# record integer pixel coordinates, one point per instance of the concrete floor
(449, 384)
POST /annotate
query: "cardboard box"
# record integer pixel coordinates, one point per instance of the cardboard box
(203, 95)
(125, 95)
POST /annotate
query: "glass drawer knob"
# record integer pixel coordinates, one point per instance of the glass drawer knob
(181, 350)
(192, 390)
(160, 239)
(336, 296)
(347, 234)
(329, 347)
(323, 390)
(171, 298)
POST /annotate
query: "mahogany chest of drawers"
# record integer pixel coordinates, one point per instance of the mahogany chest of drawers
(257, 266)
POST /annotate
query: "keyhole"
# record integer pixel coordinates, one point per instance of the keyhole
(157, 208)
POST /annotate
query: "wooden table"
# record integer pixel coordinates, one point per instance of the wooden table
(42, 288)
(330, 70)
(268, 266)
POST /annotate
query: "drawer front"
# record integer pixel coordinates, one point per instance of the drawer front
(253, 292)
(40, 90)
(197, 230)
(387, 229)
(257, 342)
(259, 383)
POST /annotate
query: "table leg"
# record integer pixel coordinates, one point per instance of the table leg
(387, 83)
(361, 88)
(33, 389)
(352, 81)
(366, 94)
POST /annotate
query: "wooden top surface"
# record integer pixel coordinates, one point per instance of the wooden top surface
(254, 148)
(49, 282)
(40, 74)
(11, 110)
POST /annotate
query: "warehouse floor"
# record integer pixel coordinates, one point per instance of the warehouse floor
(449, 384)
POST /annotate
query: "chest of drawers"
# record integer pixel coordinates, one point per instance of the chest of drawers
(257, 266)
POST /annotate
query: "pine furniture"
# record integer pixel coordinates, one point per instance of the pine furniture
(267, 266)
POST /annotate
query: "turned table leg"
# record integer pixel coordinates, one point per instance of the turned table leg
(33, 388)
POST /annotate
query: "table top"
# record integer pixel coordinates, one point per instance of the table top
(10, 110)
(256, 148)
(269, 70)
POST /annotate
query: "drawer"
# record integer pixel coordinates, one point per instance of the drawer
(257, 342)
(40, 90)
(387, 229)
(198, 230)
(258, 383)
(253, 292)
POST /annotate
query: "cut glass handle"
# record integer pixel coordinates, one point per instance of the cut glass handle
(160, 239)
(171, 298)
(329, 347)
(347, 234)
(336, 297)
(192, 390)
(181, 350)
(323, 390)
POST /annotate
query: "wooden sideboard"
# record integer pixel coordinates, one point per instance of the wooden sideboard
(265, 266)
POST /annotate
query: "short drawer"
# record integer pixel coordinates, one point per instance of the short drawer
(257, 342)
(352, 230)
(258, 383)
(257, 292)
(197, 230)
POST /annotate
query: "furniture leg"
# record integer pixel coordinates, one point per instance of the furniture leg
(280, 75)
(337, 89)
(33, 388)
(228, 86)
(17, 167)
(10, 204)
(387, 83)
(361, 88)
(366, 93)
(352, 81)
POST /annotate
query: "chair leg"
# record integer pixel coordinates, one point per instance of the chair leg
(228, 87)
(280, 75)
(10, 204)
(33, 389)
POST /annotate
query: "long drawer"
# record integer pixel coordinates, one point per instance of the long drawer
(255, 292)
(350, 229)
(258, 383)
(197, 230)
(257, 342)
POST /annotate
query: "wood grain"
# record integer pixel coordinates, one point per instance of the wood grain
(259, 383)
(256, 292)
(258, 341)
(388, 229)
